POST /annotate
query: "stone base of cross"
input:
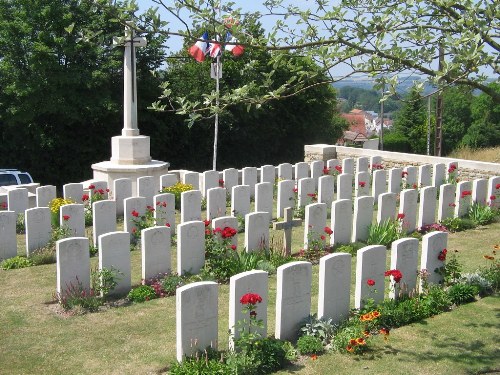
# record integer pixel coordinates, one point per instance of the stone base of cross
(287, 226)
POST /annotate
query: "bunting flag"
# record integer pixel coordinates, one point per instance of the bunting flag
(200, 48)
(214, 49)
(235, 49)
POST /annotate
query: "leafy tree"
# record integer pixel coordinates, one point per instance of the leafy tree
(456, 116)
(410, 121)
(61, 85)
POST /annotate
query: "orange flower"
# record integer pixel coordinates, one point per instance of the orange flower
(384, 331)
(314, 357)
(361, 341)
(349, 348)
(489, 257)
(352, 342)
(366, 333)
(375, 314)
(496, 247)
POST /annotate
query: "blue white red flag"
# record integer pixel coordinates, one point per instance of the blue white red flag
(200, 48)
(234, 48)
(214, 49)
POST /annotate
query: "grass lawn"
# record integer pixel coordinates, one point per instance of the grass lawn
(140, 339)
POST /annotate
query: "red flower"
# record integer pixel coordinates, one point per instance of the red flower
(217, 230)
(167, 225)
(150, 208)
(414, 186)
(362, 183)
(221, 183)
(107, 190)
(338, 168)
(250, 299)
(91, 187)
(66, 217)
(328, 231)
(442, 255)
(135, 213)
(207, 223)
(101, 191)
(85, 197)
(370, 282)
(253, 314)
(493, 197)
(295, 190)
(404, 174)
(314, 357)
(312, 195)
(465, 193)
(349, 348)
(401, 216)
(497, 186)
(452, 205)
(323, 237)
(4, 205)
(207, 232)
(326, 170)
(233, 247)
(134, 230)
(397, 275)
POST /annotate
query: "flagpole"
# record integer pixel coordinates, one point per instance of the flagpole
(216, 122)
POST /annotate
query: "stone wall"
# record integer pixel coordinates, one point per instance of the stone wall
(468, 169)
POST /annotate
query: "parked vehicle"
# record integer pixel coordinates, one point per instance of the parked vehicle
(14, 177)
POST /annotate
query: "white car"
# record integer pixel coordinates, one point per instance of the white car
(14, 177)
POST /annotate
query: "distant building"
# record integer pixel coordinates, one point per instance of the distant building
(362, 124)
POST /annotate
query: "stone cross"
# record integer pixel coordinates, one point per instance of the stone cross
(130, 42)
(287, 226)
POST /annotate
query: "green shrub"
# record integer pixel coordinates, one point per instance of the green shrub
(76, 296)
(481, 214)
(206, 363)
(309, 345)
(384, 233)
(104, 280)
(394, 141)
(170, 283)
(351, 248)
(322, 329)
(483, 285)
(491, 272)
(141, 293)
(462, 293)
(45, 255)
(436, 300)
(20, 229)
(456, 224)
(15, 263)
(400, 312)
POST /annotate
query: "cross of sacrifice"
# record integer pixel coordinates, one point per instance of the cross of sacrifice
(130, 42)
(287, 226)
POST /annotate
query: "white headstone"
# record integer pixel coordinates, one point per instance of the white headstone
(341, 221)
(255, 282)
(306, 191)
(249, 177)
(424, 175)
(216, 202)
(348, 166)
(363, 214)
(17, 200)
(155, 247)
(386, 207)
(227, 221)
(370, 267)
(326, 189)
(362, 164)
(433, 255)
(104, 218)
(494, 191)
(480, 191)
(334, 287)
(404, 257)
(197, 324)
(72, 216)
(73, 265)
(190, 247)
(264, 197)
(379, 185)
(230, 177)
(193, 179)
(376, 163)
(99, 187)
(408, 207)
(8, 238)
(190, 206)
(73, 192)
(146, 188)
(427, 207)
(344, 186)
(334, 164)
(268, 174)
(301, 170)
(315, 222)
(240, 200)
(45, 194)
(114, 254)
(463, 198)
(410, 177)
(286, 196)
(362, 184)
(210, 179)
(452, 171)
(285, 171)
(439, 174)
(38, 228)
(122, 189)
(165, 210)
(316, 171)
(134, 208)
(257, 231)
(293, 298)
(395, 180)
(446, 205)
(167, 180)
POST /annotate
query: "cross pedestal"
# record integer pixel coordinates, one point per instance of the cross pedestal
(287, 226)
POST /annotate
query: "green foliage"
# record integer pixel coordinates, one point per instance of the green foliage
(436, 300)
(456, 224)
(171, 282)
(104, 280)
(483, 285)
(481, 214)
(141, 293)
(309, 345)
(15, 263)
(451, 270)
(322, 329)
(351, 248)
(401, 312)
(384, 233)
(456, 116)
(491, 271)
(462, 293)
(20, 224)
(45, 255)
(74, 295)
(348, 330)
(395, 141)
(202, 363)
(411, 122)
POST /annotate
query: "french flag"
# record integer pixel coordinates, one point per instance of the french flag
(214, 49)
(200, 48)
(235, 49)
